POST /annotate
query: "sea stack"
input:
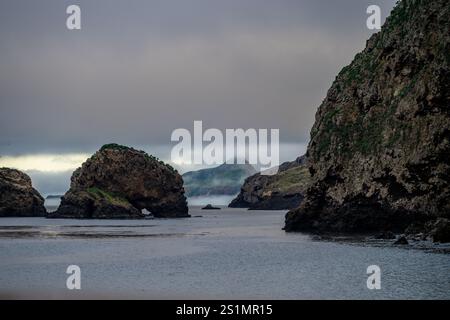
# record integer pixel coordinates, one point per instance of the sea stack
(118, 182)
(380, 147)
(18, 198)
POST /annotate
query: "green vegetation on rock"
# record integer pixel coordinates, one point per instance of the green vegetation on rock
(112, 198)
(225, 179)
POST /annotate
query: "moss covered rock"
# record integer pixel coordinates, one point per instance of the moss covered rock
(379, 149)
(119, 182)
(284, 190)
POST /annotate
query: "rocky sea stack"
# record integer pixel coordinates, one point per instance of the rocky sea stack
(118, 182)
(284, 190)
(380, 147)
(18, 198)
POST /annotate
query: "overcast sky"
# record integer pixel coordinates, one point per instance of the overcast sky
(139, 69)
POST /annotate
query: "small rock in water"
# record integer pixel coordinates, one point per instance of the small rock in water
(119, 182)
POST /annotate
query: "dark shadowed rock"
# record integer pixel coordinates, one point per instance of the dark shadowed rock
(379, 149)
(118, 182)
(385, 235)
(281, 191)
(18, 198)
(401, 241)
(210, 207)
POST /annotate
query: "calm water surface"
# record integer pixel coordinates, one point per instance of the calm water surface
(231, 253)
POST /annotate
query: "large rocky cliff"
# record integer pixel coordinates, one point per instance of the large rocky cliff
(379, 153)
(18, 198)
(118, 182)
(284, 190)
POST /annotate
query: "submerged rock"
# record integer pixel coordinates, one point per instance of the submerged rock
(118, 182)
(18, 198)
(379, 149)
(284, 190)
(210, 207)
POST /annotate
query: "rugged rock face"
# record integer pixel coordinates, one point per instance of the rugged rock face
(225, 179)
(18, 198)
(285, 190)
(117, 182)
(380, 147)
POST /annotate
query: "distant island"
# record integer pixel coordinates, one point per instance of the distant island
(225, 179)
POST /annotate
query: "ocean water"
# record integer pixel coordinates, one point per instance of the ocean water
(226, 254)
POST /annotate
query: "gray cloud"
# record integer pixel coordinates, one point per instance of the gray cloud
(139, 69)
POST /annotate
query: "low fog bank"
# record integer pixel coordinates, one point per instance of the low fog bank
(215, 200)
